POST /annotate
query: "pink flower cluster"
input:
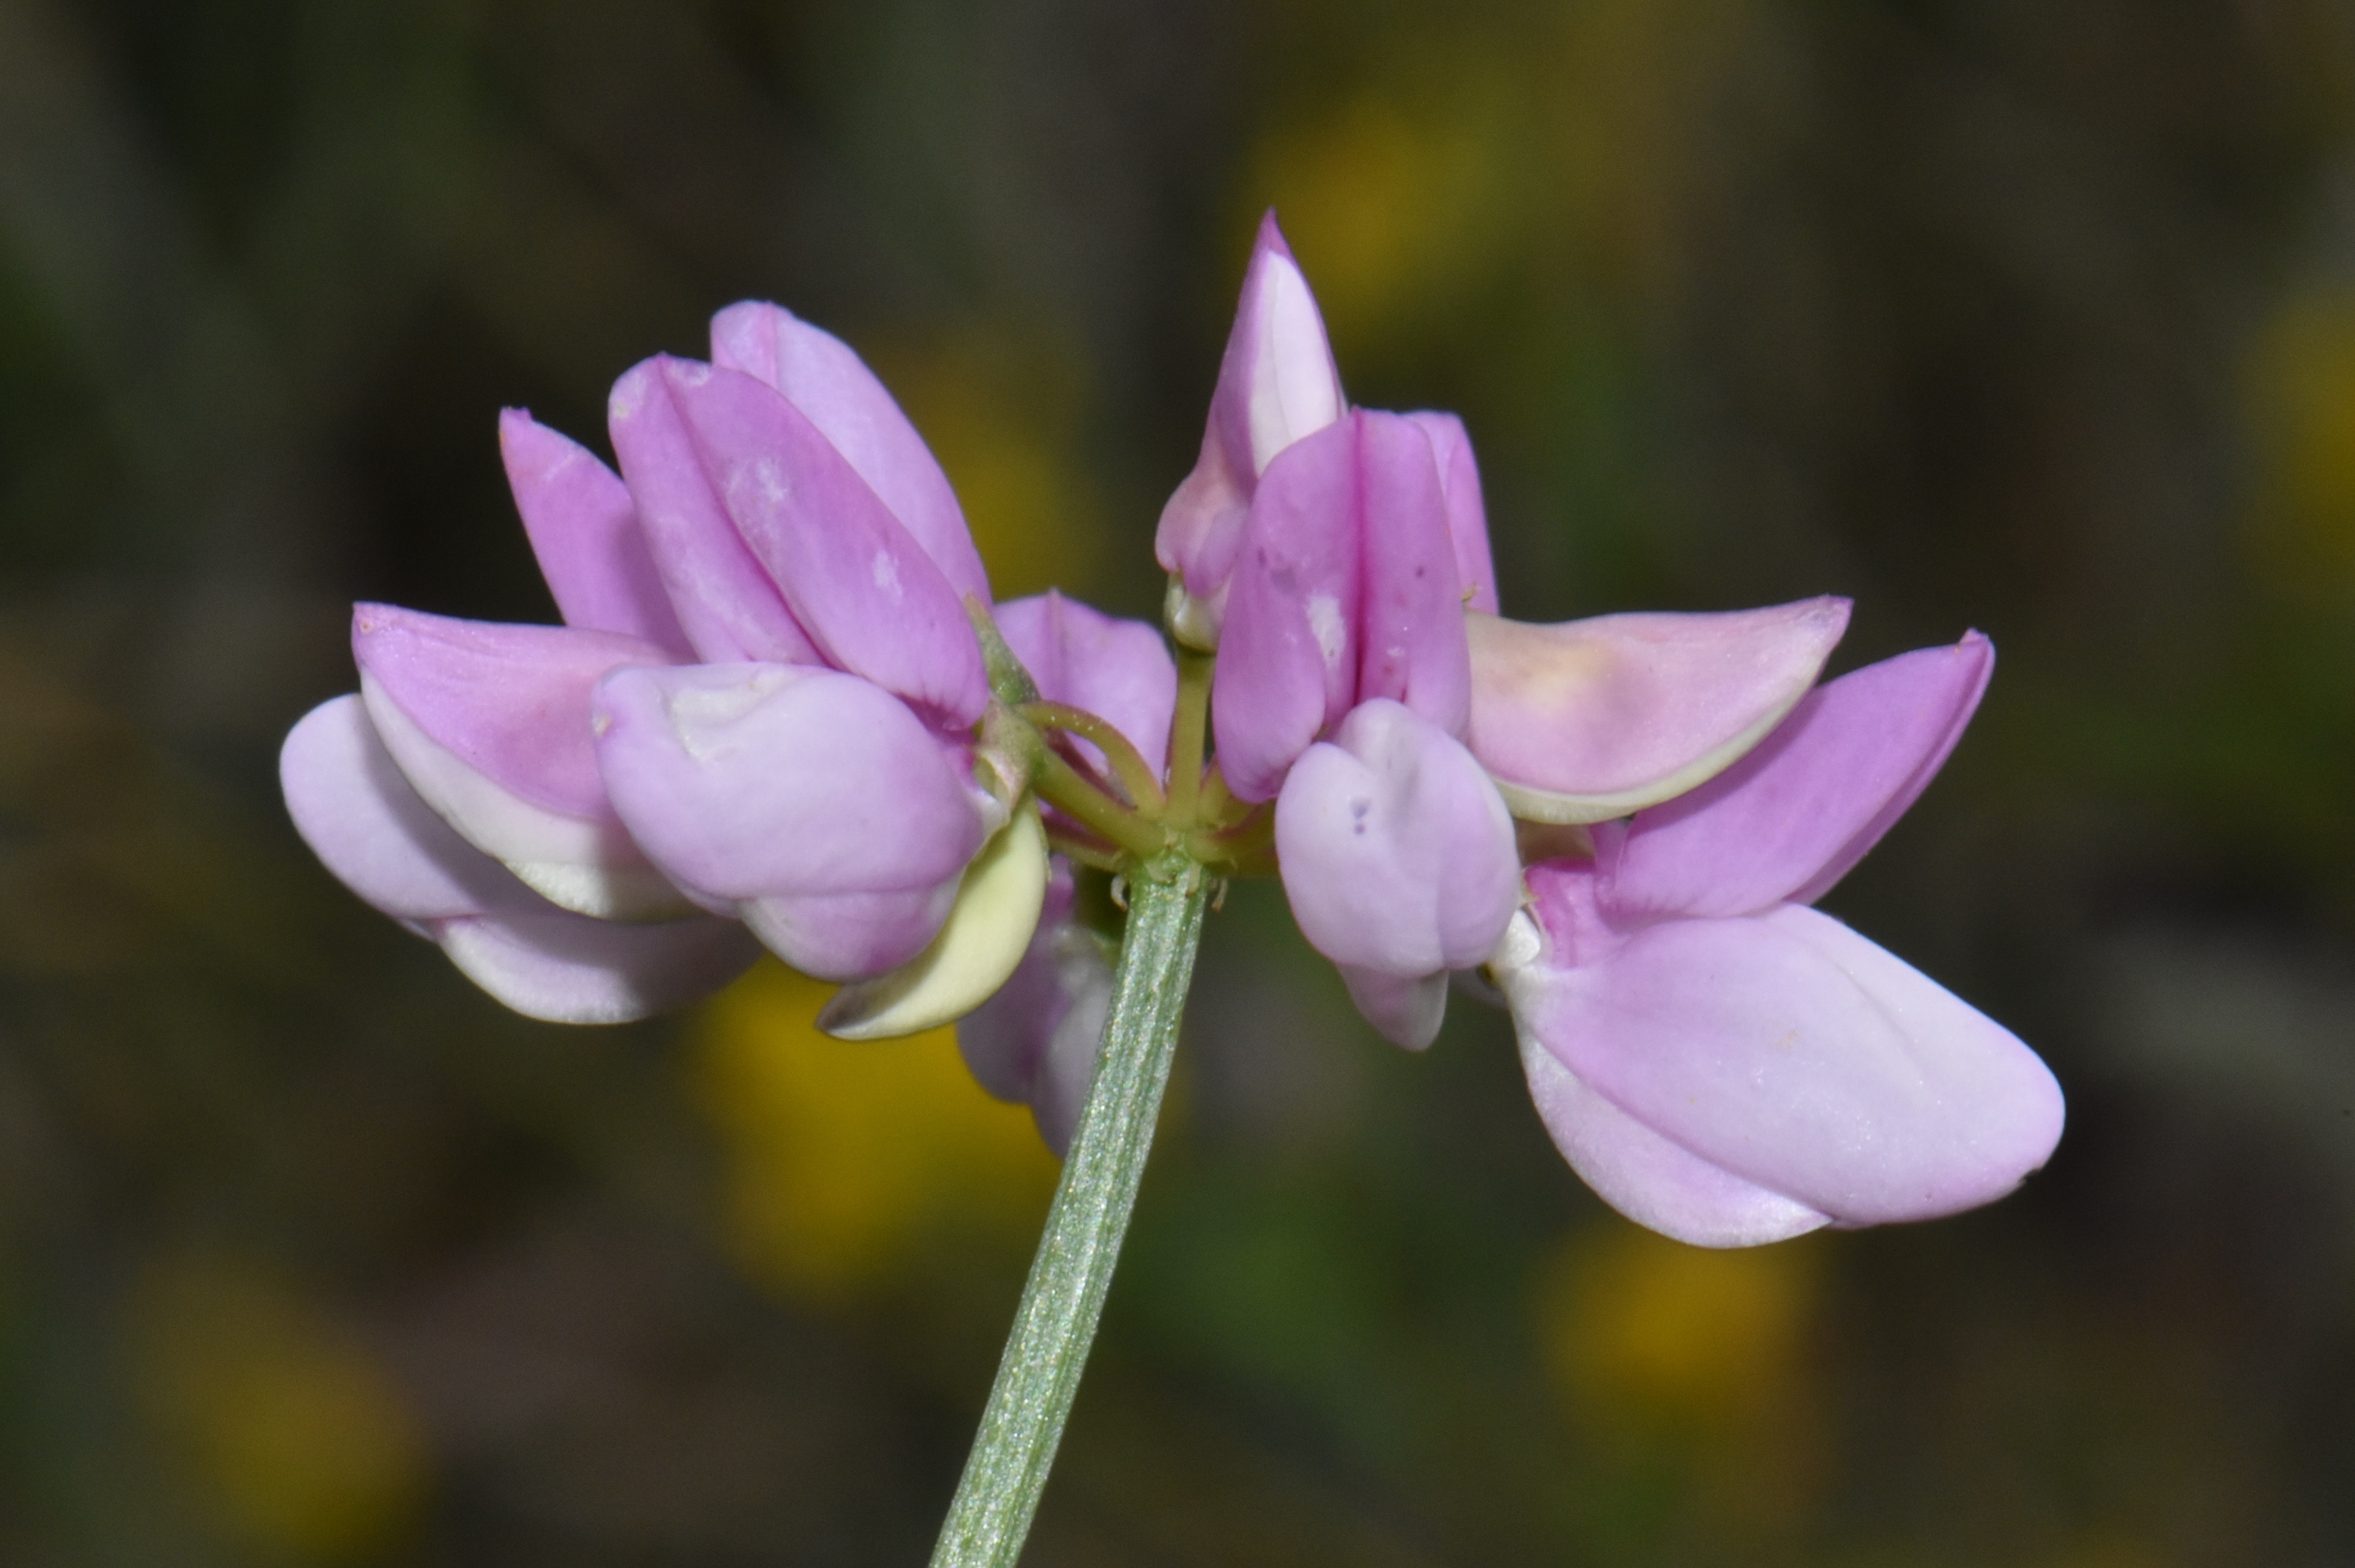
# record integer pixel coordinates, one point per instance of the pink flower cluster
(762, 724)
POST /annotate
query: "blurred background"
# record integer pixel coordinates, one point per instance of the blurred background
(2034, 318)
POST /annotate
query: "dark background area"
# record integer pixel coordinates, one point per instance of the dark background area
(2034, 318)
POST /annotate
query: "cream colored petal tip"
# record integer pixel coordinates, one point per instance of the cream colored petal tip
(989, 931)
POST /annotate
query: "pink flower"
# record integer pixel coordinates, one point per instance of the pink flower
(1276, 384)
(769, 719)
(1726, 1065)
(1717, 1059)
(1401, 729)
(760, 713)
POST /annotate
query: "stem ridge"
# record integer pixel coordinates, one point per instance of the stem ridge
(1038, 1375)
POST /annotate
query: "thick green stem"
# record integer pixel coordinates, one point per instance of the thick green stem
(1056, 1323)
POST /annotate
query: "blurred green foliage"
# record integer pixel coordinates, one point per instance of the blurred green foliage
(2035, 318)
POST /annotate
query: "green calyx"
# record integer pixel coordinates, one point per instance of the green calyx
(1116, 815)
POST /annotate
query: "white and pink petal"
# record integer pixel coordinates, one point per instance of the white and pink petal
(1277, 383)
(1585, 720)
(355, 809)
(561, 967)
(367, 825)
(490, 724)
(1653, 1181)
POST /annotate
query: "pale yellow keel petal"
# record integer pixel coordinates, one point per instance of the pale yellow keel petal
(989, 930)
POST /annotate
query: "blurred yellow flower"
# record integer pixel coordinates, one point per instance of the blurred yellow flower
(1389, 209)
(295, 1433)
(2301, 394)
(841, 1155)
(1692, 1358)
(1647, 1328)
(1569, 148)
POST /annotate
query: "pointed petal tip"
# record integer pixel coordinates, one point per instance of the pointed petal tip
(529, 448)
(1270, 238)
(1789, 820)
(525, 444)
(1279, 381)
(743, 335)
(584, 526)
(1978, 650)
(1832, 609)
